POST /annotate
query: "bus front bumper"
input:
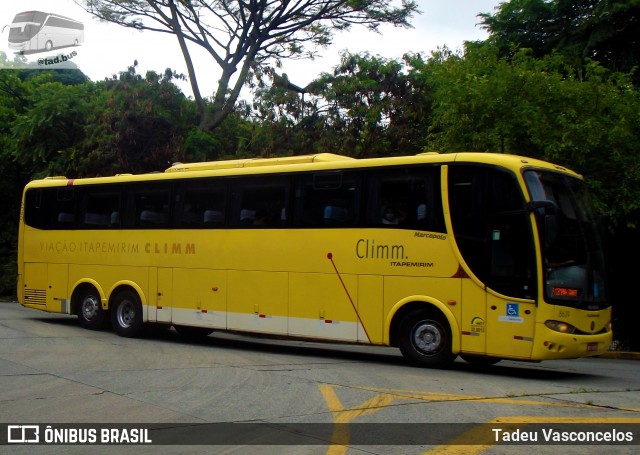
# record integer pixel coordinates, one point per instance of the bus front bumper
(555, 345)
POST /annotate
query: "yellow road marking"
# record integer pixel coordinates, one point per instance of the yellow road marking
(341, 435)
(435, 396)
(459, 445)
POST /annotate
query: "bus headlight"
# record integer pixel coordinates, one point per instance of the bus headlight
(561, 327)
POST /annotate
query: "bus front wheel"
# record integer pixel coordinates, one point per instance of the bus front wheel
(425, 339)
(126, 314)
(90, 313)
(48, 46)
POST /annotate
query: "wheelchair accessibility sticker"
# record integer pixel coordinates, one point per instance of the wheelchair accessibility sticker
(512, 314)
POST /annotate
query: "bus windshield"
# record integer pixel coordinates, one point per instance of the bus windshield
(571, 240)
(25, 26)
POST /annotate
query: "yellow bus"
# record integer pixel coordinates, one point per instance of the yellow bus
(486, 256)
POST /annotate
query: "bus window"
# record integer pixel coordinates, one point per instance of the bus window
(35, 209)
(328, 199)
(491, 228)
(406, 198)
(152, 208)
(102, 209)
(261, 202)
(50, 208)
(202, 207)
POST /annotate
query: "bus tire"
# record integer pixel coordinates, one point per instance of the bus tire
(90, 313)
(48, 46)
(425, 339)
(126, 314)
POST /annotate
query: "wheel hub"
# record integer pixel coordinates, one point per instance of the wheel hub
(90, 308)
(427, 338)
(126, 314)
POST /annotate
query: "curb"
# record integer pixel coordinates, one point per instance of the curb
(620, 355)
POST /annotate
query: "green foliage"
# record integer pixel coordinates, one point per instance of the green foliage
(14, 94)
(200, 146)
(602, 30)
(54, 122)
(360, 95)
(59, 123)
(140, 127)
(368, 106)
(528, 106)
(11, 188)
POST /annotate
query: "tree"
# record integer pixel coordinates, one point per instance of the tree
(245, 37)
(538, 108)
(367, 106)
(52, 125)
(602, 30)
(138, 125)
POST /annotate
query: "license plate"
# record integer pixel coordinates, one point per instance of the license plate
(592, 347)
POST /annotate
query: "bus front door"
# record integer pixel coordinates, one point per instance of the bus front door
(510, 326)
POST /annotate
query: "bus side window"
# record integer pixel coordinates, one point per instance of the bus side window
(406, 198)
(50, 208)
(261, 202)
(65, 208)
(202, 206)
(102, 208)
(328, 199)
(152, 208)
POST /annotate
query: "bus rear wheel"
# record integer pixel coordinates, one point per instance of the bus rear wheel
(425, 339)
(90, 313)
(126, 314)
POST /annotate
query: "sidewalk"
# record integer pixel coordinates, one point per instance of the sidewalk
(621, 355)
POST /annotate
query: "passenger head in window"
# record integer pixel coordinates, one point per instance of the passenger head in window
(261, 218)
(392, 215)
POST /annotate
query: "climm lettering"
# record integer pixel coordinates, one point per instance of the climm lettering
(368, 249)
(170, 248)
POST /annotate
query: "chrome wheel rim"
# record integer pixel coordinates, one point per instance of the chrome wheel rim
(427, 338)
(90, 308)
(126, 314)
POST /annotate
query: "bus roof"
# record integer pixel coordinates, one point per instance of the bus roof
(315, 162)
(254, 162)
